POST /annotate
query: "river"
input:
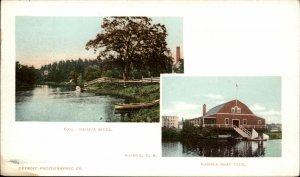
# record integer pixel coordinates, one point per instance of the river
(222, 148)
(61, 104)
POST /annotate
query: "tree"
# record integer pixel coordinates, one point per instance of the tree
(133, 42)
(92, 72)
(80, 80)
(73, 75)
(25, 76)
(179, 68)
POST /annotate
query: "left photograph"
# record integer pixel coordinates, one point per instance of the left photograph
(94, 69)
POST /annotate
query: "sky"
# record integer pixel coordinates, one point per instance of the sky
(42, 40)
(184, 96)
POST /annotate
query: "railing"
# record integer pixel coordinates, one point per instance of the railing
(218, 125)
(255, 126)
(231, 126)
(114, 80)
(245, 130)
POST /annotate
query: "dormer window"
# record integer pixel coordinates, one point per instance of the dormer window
(236, 109)
(232, 110)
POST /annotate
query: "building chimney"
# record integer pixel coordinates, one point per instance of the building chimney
(204, 109)
(177, 54)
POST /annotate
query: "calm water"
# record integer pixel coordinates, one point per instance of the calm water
(222, 148)
(59, 104)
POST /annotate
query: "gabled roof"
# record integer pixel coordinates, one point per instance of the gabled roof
(213, 111)
(217, 109)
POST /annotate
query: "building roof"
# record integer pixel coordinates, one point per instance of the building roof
(214, 110)
(218, 108)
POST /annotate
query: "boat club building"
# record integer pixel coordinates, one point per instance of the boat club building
(230, 115)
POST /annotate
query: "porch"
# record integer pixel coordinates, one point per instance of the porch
(230, 126)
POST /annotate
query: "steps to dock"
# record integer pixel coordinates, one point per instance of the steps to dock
(242, 131)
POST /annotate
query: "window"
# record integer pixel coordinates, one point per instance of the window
(239, 110)
(244, 121)
(226, 120)
(236, 109)
(259, 122)
(209, 121)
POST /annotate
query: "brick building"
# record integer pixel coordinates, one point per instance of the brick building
(170, 121)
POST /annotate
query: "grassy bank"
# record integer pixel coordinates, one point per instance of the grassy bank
(132, 93)
(274, 135)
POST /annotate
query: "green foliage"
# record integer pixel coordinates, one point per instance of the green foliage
(73, 75)
(170, 134)
(113, 73)
(92, 72)
(133, 43)
(80, 80)
(180, 68)
(26, 76)
(62, 71)
(133, 93)
(274, 135)
(191, 132)
(188, 131)
(150, 114)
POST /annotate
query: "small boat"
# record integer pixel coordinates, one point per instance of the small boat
(258, 139)
(255, 136)
(119, 106)
(224, 136)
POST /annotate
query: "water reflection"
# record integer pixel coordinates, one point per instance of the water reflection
(225, 148)
(222, 148)
(46, 103)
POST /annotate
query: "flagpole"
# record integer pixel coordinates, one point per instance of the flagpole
(236, 93)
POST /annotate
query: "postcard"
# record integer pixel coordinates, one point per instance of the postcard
(151, 88)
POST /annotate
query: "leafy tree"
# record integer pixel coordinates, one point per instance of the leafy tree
(25, 76)
(180, 67)
(80, 80)
(92, 72)
(133, 42)
(74, 76)
(191, 132)
(64, 70)
(170, 134)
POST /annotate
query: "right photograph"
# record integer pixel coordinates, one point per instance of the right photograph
(221, 116)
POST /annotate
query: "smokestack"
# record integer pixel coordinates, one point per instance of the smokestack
(177, 54)
(204, 109)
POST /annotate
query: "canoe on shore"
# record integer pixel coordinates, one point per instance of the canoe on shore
(120, 106)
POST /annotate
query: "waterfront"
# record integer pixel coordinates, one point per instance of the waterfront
(222, 148)
(63, 104)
